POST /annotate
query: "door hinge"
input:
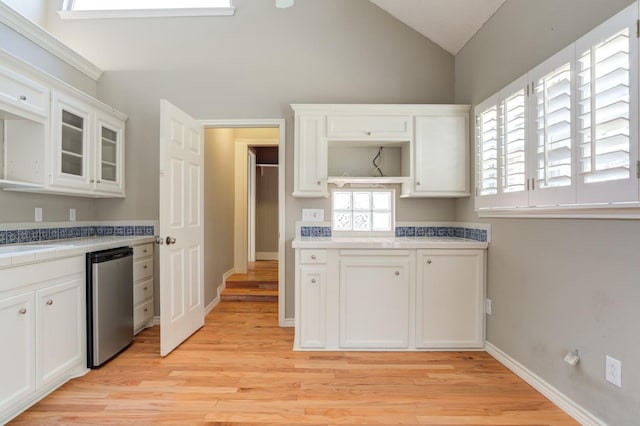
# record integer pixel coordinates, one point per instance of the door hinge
(638, 169)
(527, 89)
(638, 28)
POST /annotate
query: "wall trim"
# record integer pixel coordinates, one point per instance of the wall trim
(47, 41)
(561, 400)
(219, 291)
(289, 322)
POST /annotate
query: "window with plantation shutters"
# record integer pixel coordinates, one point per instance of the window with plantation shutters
(607, 141)
(565, 135)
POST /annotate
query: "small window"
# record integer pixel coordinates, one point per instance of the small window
(363, 211)
(144, 8)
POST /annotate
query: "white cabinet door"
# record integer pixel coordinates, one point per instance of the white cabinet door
(374, 301)
(365, 127)
(450, 299)
(23, 97)
(441, 155)
(17, 357)
(310, 163)
(313, 293)
(60, 328)
(70, 132)
(108, 165)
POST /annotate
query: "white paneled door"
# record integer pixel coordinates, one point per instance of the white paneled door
(181, 227)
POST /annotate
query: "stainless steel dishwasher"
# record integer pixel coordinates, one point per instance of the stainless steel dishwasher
(109, 304)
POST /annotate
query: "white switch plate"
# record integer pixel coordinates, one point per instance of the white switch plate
(487, 306)
(613, 371)
(312, 215)
(38, 214)
(72, 215)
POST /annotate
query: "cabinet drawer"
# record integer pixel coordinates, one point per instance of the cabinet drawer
(23, 94)
(368, 127)
(142, 250)
(142, 269)
(142, 313)
(142, 291)
(313, 256)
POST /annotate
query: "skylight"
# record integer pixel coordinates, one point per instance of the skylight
(81, 9)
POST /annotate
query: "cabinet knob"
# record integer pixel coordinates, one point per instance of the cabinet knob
(145, 288)
(49, 302)
(418, 183)
(368, 133)
(318, 183)
(397, 273)
(145, 309)
(23, 98)
(22, 311)
(144, 251)
(145, 266)
(313, 257)
(313, 280)
(92, 181)
(429, 261)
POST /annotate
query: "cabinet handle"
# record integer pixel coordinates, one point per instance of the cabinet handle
(318, 183)
(92, 181)
(145, 288)
(368, 133)
(397, 273)
(418, 183)
(23, 98)
(144, 251)
(22, 311)
(429, 261)
(49, 302)
(313, 257)
(99, 181)
(145, 309)
(313, 280)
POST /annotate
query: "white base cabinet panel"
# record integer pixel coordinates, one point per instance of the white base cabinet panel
(450, 299)
(374, 296)
(43, 330)
(389, 299)
(142, 287)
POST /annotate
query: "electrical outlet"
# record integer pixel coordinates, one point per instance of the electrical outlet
(38, 214)
(312, 215)
(72, 215)
(613, 371)
(487, 306)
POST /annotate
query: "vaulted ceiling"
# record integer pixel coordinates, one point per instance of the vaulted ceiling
(449, 23)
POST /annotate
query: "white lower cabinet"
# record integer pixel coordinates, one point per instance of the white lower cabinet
(142, 286)
(374, 297)
(389, 299)
(450, 299)
(43, 330)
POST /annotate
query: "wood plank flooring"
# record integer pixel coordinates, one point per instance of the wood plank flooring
(259, 284)
(240, 369)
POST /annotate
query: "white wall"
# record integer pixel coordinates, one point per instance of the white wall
(556, 285)
(254, 65)
(35, 10)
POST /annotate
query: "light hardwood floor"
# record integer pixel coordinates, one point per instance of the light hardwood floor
(240, 369)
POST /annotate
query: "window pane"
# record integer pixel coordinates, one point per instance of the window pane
(147, 4)
(381, 201)
(362, 221)
(341, 201)
(342, 221)
(362, 200)
(382, 221)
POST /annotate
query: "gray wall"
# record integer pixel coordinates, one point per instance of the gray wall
(556, 285)
(254, 65)
(218, 208)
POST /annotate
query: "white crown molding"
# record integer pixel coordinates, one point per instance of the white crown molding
(47, 41)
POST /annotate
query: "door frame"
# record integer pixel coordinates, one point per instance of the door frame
(251, 205)
(278, 123)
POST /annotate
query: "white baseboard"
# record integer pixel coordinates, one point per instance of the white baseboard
(561, 400)
(266, 255)
(289, 322)
(219, 291)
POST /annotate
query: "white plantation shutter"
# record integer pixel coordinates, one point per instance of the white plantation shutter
(487, 152)
(513, 142)
(552, 142)
(607, 65)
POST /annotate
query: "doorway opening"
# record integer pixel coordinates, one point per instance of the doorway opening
(244, 202)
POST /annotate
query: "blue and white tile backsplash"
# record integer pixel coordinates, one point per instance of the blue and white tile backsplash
(30, 235)
(476, 234)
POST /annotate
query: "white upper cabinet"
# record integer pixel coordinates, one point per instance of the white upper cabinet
(23, 97)
(441, 153)
(57, 140)
(422, 147)
(565, 135)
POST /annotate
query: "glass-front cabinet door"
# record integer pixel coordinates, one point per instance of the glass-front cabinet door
(71, 129)
(109, 161)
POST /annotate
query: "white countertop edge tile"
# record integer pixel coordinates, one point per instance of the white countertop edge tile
(386, 243)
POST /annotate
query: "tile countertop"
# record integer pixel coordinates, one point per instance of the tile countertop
(387, 243)
(47, 250)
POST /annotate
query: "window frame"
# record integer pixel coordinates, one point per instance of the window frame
(364, 233)
(67, 12)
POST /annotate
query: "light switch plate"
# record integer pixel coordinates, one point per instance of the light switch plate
(72, 215)
(312, 215)
(38, 214)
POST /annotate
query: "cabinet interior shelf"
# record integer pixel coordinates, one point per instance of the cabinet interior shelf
(341, 181)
